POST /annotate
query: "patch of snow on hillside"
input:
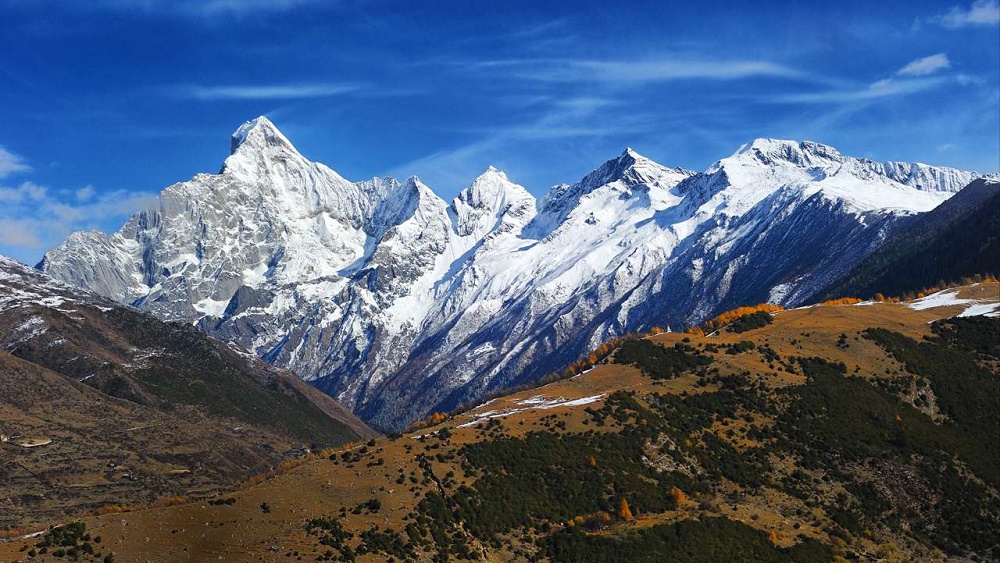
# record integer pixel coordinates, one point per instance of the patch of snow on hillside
(949, 298)
(988, 309)
(31, 328)
(537, 402)
(945, 298)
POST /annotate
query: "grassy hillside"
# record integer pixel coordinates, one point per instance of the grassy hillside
(852, 432)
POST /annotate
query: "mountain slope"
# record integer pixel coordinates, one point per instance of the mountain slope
(959, 238)
(860, 431)
(135, 408)
(398, 303)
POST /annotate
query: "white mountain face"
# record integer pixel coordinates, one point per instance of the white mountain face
(398, 303)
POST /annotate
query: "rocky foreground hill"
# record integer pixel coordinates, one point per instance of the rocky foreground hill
(102, 405)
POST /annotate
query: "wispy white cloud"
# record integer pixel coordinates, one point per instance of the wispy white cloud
(539, 29)
(243, 6)
(21, 233)
(635, 72)
(454, 166)
(572, 118)
(202, 8)
(264, 91)
(925, 66)
(968, 80)
(108, 205)
(11, 163)
(980, 13)
(886, 88)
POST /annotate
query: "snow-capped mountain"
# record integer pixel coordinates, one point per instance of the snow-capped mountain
(398, 303)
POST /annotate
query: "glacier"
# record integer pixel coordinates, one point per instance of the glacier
(398, 303)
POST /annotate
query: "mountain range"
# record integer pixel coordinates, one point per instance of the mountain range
(398, 303)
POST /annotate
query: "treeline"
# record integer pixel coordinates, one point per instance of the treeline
(917, 293)
(728, 317)
(661, 362)
(959, 238)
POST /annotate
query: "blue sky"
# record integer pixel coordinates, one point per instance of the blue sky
(104, 103)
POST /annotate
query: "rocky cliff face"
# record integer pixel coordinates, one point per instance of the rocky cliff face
(398, 303)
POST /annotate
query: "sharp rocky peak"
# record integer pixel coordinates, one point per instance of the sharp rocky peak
(816, 161)
(259, 133)
(262, 155)
(772, 152)
(630, 169)
(490, 196)
(491, 189)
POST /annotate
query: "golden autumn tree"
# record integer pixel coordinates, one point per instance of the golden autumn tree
(624, 511)
(678, 495)
(729, 316)
(840, 301)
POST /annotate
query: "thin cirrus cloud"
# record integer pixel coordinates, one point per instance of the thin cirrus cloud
(200, 8)
(264, 91)
(11, 163)
(925, 66)
(980, 13)
(658, 70)
(913, 78)
(886, 88)
(243, 6)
